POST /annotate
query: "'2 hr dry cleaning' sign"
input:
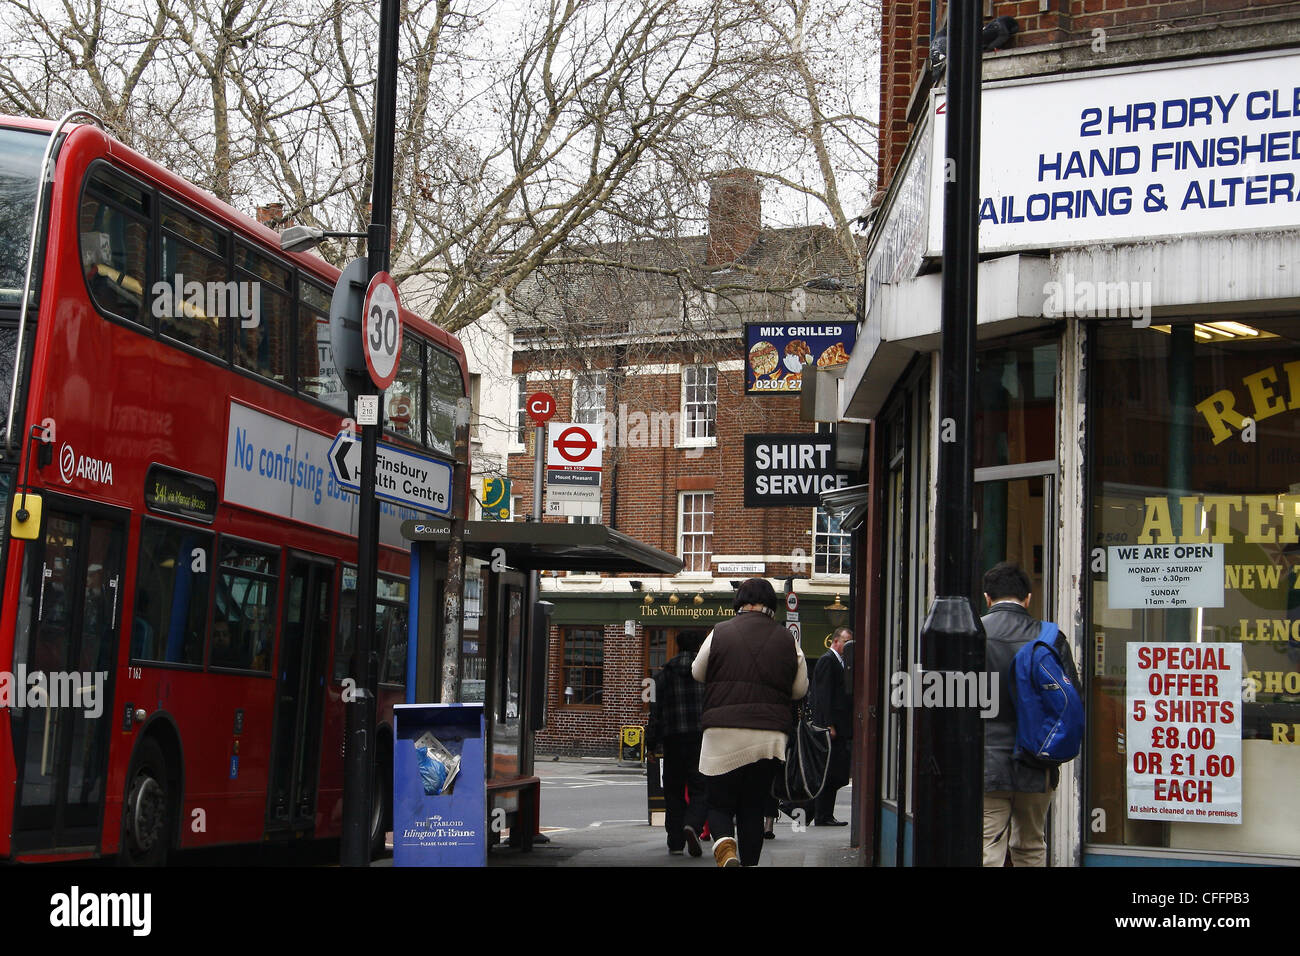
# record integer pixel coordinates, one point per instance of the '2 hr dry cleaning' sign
(1109, 157)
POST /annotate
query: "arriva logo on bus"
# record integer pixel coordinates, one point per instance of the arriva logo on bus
(72, 465)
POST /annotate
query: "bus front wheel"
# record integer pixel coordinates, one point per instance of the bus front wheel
(147, 811)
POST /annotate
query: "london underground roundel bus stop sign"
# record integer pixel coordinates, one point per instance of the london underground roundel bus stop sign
(382, 330)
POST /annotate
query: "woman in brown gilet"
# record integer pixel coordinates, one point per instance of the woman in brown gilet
(751, 668)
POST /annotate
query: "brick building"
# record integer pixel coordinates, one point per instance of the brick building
(1139, 232)
(662, 372)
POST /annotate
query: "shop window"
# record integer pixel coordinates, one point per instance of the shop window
(695, 531)
(1015, 400)
(243, 613)
(583, 672)
(1195, 437)
(171, 596)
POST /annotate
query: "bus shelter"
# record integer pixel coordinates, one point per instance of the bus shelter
(504, 635)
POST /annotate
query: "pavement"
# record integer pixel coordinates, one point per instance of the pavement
(594, 814)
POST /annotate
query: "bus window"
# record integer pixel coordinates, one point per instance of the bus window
(115, 250)
(171, 593)
(20, 164)
(345, 638)
(402, 416)
(243, 614)
(316, 374)
(395, 657)
(262, 332)
(444, 388)
(198, 288)
(390, 638)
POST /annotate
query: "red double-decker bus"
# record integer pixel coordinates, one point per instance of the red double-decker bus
(178, 557)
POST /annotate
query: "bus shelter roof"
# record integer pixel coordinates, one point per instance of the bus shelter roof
(530, 546)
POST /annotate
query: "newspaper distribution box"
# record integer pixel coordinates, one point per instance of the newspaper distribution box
(439, 793)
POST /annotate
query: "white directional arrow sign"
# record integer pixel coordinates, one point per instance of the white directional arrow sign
(401, 476)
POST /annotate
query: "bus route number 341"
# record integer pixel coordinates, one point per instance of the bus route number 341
(383, 330)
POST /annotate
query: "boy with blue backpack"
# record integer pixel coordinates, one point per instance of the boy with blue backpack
(1038, 724)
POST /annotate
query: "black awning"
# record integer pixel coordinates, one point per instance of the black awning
(531, 546)
(850, 503)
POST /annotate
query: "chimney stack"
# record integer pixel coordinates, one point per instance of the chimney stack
(735, 215)
(271, 214)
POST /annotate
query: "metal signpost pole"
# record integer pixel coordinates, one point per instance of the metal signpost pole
(949, 798)
(359, 740)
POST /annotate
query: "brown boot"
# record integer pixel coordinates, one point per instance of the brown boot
(724, 852)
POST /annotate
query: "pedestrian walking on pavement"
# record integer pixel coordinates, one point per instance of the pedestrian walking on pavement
(751, 668)
(675, 725)
(833, 709)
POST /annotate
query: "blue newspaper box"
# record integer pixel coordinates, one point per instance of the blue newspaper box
(439, 819)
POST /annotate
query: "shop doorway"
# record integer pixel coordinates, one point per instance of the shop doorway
(1015, 513)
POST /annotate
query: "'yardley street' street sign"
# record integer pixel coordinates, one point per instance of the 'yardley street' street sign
(401, 476)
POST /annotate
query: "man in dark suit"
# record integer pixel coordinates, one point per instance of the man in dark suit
(833, 708)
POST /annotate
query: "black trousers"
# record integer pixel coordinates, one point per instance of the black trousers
(682, 777)
(737, 803)
(837, 775)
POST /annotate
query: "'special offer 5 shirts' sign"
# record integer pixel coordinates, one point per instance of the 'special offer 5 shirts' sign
(1183, 732)
(1173, 150)
(783, 471)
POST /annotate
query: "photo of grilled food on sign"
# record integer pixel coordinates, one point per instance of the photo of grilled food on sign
(763, 358)
(797, 355)
(835, 355)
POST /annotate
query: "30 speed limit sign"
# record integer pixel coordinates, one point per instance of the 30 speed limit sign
(382, 330)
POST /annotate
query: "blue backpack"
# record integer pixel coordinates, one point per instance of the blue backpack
(1049, 710)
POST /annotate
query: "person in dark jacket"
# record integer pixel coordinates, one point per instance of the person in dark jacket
(675, 724)
(833, 709)
(751, 668)
(1017, 794)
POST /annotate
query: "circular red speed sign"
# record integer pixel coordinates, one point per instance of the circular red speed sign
(575, 443)
(540, 407)
(381, 325)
